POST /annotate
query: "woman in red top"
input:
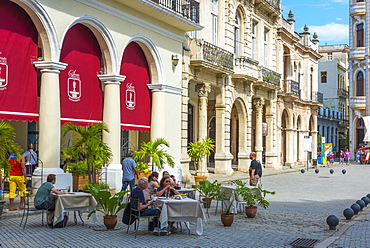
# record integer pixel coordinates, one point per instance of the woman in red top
(341, 157)
(17, 178)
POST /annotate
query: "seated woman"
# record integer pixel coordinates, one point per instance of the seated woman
(165, 188)
(42, 198)
(152, 186)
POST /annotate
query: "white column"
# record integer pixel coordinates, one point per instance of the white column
(49, 125)
(258, 137)
(203, 91)
(111, 117)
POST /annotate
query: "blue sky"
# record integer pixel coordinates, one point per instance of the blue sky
(328, 18)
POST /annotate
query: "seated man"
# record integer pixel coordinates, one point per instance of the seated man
(143, 205)
(165, 188)
(42, 198)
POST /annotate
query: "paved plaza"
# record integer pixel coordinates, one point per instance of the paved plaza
(298, 210)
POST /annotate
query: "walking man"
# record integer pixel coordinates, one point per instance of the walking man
(129, 171)
(255, 170)
(31, 159)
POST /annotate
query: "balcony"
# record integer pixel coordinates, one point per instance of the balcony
(317, 97)
(246, 68)
(272, 6)
(344, 122)
(357, 9)
(342, 93)
(205, 54)
(357, 53)
(187, 8)
(358, 102)
(270, 76)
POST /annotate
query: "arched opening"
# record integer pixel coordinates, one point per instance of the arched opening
(360, 86)
(234, 134)
(284, 123)
(360, 133)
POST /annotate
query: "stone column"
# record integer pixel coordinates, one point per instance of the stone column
(289, 147)
(111, 117)
(314, 138)
(258, 137)
(49, 125)
(203, 91)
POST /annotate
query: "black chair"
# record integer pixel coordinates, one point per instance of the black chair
(27, 210)
(136, 213)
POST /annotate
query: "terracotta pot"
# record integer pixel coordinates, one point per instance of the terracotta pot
(199, 178)
(251, 211)
(227, 219)
(110, 221)
(207, 202)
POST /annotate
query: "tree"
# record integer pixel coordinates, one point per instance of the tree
(158, 155)
(90, 146)
(7, 146)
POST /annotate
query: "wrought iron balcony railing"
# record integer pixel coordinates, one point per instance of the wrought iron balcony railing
(270, 76)
(274, 4)
(292, 87)
(217, 55)
(187, 8)
(357, 101)
(317, 97)
(246, 66)
(342, 92)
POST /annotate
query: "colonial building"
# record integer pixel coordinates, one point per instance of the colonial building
(333, 83)
(358, 72)
(90, 62)
(251, 84)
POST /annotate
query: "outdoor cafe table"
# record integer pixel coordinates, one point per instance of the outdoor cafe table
(231, 189)
(77, 201)
(189, 192)
(185, 210)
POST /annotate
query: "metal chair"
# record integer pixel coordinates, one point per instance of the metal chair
(136, 213)
(27, 210)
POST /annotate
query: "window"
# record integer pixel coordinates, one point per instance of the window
(214, 11)
(265, 41)
(360, 35)
(360, 89)
(323, 77)
(359, 1)
(254, 40)
(330, 56)
(237, 43)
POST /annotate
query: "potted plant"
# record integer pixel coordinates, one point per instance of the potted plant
(110, 205)
(99, 186)
(143, 169)
(254, 196)
(197, 151)
(227, 218)
(208, 190)
(155, 152)
(7, 147)
(89, 147)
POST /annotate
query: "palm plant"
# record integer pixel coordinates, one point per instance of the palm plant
(157, 154)
(7, 146)
(200, 149)
(90, 146)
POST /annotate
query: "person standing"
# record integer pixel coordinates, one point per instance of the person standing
(18, 178)
(30, 157)
(341, 157)
(331, 159)
(255, 170)
(129, 171)
(347, 156)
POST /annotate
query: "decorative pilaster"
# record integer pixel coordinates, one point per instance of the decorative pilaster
(258, 104)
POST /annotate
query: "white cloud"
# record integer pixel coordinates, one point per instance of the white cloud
(331, 32)
(339, 1)
(338, 19)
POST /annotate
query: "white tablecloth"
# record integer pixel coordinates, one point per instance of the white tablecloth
(189, 192)
(77, 201)
(185, 210)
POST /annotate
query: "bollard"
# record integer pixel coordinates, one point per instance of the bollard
(356, 208)
(331, 171)
(302, 171)
(366, 200)
(344, 171)
(348, 213)
(361, 203)
(317, 171)
(332, 221)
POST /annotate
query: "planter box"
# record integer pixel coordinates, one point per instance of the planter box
(79, 181)
(143, 174)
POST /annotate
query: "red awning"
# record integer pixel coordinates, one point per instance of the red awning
(135, 95)
(81, 97)
(18, 76)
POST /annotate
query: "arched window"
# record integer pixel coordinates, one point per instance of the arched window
(360, 89)
(237, 42)
(360, 35)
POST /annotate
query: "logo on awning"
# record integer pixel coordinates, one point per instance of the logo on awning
(130, 97)
(74, 86)
(3, 73)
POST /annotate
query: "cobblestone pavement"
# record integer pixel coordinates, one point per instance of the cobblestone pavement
(298, 210)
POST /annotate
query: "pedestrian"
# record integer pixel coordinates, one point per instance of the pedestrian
(129, 171)
(331, 159)
(347, 155)
(18, 178)
(341, 157)
(30, 157)
(43, 200)
(255, 170)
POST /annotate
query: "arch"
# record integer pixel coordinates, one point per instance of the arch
(152, 55)
(299, 122)
(238, 128)
(360, 132)
(45, 26)
(105, 40)
(360, 82)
